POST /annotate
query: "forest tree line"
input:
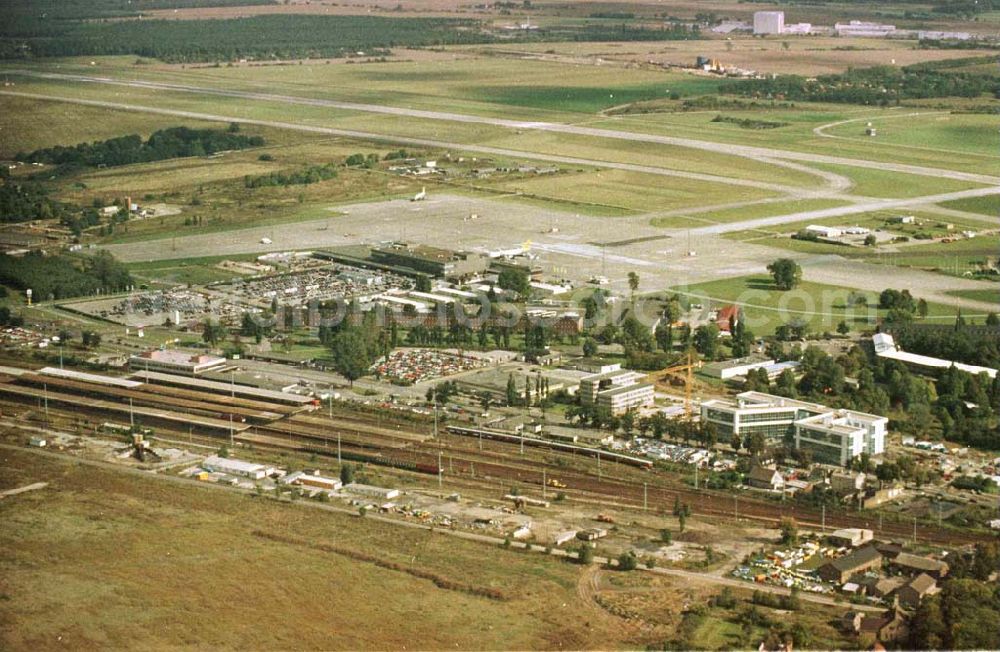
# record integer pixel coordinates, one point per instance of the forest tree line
(173, 142)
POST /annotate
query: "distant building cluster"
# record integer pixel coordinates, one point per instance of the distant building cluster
(769, 23)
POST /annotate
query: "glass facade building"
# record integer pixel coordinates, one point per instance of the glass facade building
(831, 436)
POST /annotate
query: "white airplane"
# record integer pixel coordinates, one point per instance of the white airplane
(420, 196)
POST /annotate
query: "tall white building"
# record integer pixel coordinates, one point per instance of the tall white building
(832, 436)
(768, 22)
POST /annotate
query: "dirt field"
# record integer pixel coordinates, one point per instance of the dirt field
(101, 559)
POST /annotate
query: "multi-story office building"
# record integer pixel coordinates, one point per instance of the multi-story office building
(832, 436)
(618, 391)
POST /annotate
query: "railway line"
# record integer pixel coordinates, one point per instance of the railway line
(656, 491)
(456, 452)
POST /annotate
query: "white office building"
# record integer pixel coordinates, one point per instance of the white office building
(618, 391)
(768, 22)
(832, 436)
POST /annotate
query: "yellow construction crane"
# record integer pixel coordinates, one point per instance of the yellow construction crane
(687, 369)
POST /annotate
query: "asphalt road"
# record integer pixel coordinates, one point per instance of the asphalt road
(752, 152)
(437, 144)
(764, 156)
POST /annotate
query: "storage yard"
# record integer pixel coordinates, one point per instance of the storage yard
(409, 366)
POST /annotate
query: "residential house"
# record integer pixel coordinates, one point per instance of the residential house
(911, 593)
(761, 477)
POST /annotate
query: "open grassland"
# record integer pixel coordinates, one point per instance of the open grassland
(991, 296)
(185, 271)
(927, 224)
(630, 191)
(933, 130)
(955, 258)
(104, 559)
(821, 307)
(457, 86)
(798, 134)
(989, 206)
(892, 185)
(27, 124)
(656, 155)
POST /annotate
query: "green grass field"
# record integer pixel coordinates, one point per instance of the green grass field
(750, 212)
(822, 307)
(989, 206)
(629, 191)
(991, 296)
(884, 184)
(937, 131)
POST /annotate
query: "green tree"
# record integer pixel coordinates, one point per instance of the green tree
(786, 273)
(351, 358)
(789, 532)
(347, 473)
(213, 332)
(511, 392)
(515, 280)
(843, 328)
(633, 284)
(589, 347)
(585, 554)
(706, 340)
(627, 561)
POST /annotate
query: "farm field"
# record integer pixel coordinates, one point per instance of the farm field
(815, 55)
(64, 558)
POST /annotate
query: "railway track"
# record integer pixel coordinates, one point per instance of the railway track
(654, 492)
(368, 441)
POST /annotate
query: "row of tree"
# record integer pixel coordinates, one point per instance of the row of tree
(174, 142)
(879, 85)
(63, 276)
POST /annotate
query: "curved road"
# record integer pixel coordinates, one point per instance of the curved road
(748, 151)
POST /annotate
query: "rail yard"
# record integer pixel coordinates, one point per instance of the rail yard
(464, 456)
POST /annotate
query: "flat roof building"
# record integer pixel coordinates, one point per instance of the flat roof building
(864, 29)
(237, 467)
(618, 391)
(188, 363)
(885, 347)
(435, 261)
(727, 369)
(832, 436)
(371, 491)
